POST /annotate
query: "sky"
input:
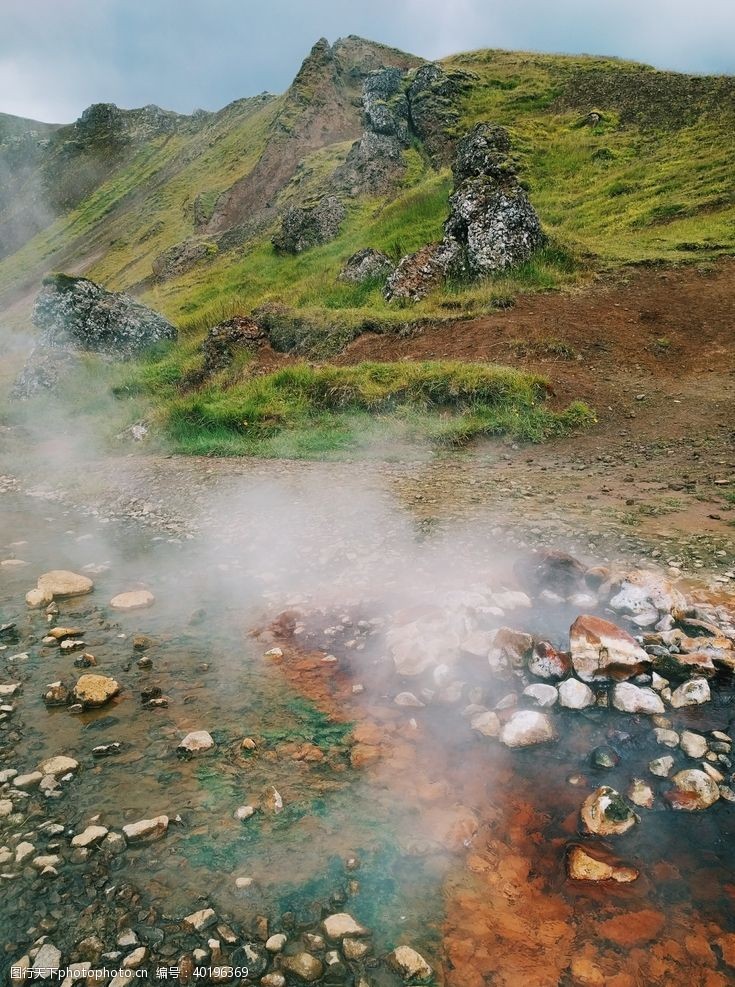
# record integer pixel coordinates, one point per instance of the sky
(59, 56)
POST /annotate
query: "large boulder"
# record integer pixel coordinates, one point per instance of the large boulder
(308, 226)
(601, 651)
(496, 222)
(78, 314)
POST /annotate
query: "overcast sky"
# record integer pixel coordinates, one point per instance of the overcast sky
(58, 56)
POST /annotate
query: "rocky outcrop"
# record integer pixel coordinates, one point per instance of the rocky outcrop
(418, 274)
(491, 225)
(432, 98)
(182, 257)
(308, 226)
(79, 314)
(366, 265)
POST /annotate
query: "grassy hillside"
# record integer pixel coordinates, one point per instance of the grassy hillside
(650, 182)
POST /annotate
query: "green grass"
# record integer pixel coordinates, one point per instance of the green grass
(304, 411)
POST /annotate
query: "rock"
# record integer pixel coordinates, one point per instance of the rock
(223, 342)
(546, 662)
(113, 844)
(641, 592)
(307, 226)
(274, 979)
(527, 727)
(23, 851)
(418, 274)
(47, 961)
(693, 744)
(134, 600)
(495, 223)
(58, 765)
(487, 723)
(408, 699)
(602, 651)
(198, 921)
(582, 866)
(418, 645)
(146, 829)
(303, 966)
(6, 808)
(661, 766)
(640, 793)
(77, 313)
(275, 943)
(574, 694)
(669, 738)
(629, 698)
(271, 801)
(693, 790)
(244, 812)
(36, 598)
(195, 742)
(56, 694)
(28, 780)
(691, 693)
(604, 758)
(92, 834)
(342, 924)
(354, 949)
(366, 265)
(60, 584)
(511, 649)
(542, 695)
(605, 813)
(409, 964)
(94, 690)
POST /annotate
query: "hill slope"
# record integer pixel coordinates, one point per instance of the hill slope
(650, 180)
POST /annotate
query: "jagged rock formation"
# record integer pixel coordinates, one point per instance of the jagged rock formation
(491, 225)
(182, 257)
(322, 107)
(307, 226)
(77, 313)
(366, 265)
(400, 107)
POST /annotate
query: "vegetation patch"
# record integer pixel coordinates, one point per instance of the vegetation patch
(306, 411)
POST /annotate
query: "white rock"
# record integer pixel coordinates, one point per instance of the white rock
(27, 781)
(9, 689)
(658, 682)
(543, 695)
(342, 924)
(640, 793)
(36, 598)
(196, 742)
(137, 599)
(661, 766)
(693, 744)
(574, 694)
(59, 765)
(92, 834)
(23, 851)
(527, 727)
(244, 812)
(47, 961)
(408, 699)
(409, 964)
(629, 698)
(669, 738)
(46, 860)
(691, 693)
(644, 591)
(6, 807)
(200, 920)
(275, 943)
(61, 583)
(133, 960)
(146, 829)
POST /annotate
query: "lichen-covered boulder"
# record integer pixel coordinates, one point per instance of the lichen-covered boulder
(366, 265)
(483, 153)
(78, 314)
(307, 226)
(496, 222)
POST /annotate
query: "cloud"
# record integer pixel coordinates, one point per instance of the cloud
(58, 57)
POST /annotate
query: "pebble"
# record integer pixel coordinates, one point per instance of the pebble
(574, 694)
(138, 599)
(409, 964)
(691, 693)
(146, 829)
(196, 742)
(693, 744)
(198, 921)
(661, 766)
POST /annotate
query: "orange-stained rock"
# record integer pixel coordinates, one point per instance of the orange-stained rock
(601, 651)
(629, 928)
